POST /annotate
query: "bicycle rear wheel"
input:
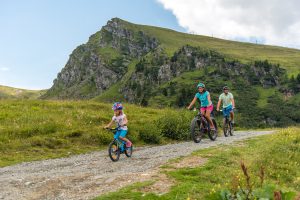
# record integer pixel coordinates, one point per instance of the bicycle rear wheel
(196, 133)
(128, 151)
(114, 151)
(213, 134)
(231, 130)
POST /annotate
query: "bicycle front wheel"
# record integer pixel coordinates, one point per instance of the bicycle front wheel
(114, 151)
(196, 132)
(226, 127)
(213, 134)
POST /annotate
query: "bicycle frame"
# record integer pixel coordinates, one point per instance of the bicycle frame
(227, 126)
(203, 120)
(200, 126)
(120, 143)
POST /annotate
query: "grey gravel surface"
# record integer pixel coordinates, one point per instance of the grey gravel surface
(89, 175)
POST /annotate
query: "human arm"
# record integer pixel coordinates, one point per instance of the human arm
(208, 97)
(233, 103)
(192, 103)
(219, 104)
(109, 124)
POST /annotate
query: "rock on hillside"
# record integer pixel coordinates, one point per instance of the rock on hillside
(93, 67)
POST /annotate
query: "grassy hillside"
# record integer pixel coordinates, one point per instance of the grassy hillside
(246, 52)
(16, 93)
(221, 172)
(37, 129)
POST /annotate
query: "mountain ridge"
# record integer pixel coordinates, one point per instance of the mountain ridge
(152, 66)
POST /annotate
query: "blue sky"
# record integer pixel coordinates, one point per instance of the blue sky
(37, 36)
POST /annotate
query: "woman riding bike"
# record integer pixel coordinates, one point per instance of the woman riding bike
(206, 103)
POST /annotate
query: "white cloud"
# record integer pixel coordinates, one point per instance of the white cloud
(274, 22)
(4, 69)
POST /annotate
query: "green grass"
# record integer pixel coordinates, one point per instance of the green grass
(108, 53)
(38, 129)
(278, 153)
(245, 52)
(16, 93)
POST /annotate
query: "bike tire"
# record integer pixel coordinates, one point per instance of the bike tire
(213, 134)
(114, 151)
(231, 130)
(225, 127)
(128, 151)
(195, 129)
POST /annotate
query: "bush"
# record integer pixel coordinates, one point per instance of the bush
(175, 125)
(132, 135)
(150, 133)
(100, 138)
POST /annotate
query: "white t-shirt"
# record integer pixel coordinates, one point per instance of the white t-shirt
(119, 121)
(226, 99)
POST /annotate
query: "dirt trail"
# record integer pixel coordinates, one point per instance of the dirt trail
(89, 175)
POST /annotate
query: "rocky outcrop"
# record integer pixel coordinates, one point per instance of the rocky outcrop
(95, 66)
(118, 34)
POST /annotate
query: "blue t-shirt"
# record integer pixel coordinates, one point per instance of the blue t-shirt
(203, 98)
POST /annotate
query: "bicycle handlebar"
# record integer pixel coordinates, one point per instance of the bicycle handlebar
(112, 129)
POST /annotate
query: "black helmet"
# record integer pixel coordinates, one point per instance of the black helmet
(225, 88)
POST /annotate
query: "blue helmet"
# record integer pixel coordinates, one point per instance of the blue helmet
(201, 85)
(117, 106)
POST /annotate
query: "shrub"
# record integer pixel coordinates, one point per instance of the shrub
(100, 138)
(51, 143)
(175, 125)
(150, 133)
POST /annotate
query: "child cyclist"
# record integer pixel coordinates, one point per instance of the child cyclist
(206, 103)
(121, 121)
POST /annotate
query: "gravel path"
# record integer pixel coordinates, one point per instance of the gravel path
(89, 175)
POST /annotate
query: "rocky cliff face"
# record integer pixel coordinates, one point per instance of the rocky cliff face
(93, 67)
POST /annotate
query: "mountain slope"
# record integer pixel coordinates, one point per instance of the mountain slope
(95, 66)
(159, 67)
(16, 93)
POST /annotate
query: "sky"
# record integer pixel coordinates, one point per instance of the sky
(37, 36)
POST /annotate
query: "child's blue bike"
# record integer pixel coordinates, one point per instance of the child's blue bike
(117, 147)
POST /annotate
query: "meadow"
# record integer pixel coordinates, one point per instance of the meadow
(38, 129)
(272, 163)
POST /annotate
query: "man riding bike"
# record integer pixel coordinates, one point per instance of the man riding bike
(206, 103)
(228, 103)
